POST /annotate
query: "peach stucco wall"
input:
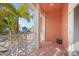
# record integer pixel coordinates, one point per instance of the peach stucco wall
(53, 26)
(65, 25)
(56, 25)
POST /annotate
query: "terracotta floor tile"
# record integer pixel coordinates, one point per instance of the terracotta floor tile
(50, 49)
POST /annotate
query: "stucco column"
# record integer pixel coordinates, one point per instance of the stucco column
(36, 23)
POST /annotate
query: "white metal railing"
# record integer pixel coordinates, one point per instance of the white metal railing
(16, 44)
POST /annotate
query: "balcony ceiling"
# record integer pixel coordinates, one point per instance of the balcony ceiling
(51, 7)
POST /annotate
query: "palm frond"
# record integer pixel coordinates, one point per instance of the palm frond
(23, 12)
(8, 6)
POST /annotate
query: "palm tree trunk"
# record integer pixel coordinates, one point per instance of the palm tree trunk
(17, 24)
(18, 35)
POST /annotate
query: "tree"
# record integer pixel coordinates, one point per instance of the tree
(9, 17)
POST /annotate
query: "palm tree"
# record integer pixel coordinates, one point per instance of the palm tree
(9, 15)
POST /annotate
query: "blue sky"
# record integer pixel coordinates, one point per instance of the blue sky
(22, 21)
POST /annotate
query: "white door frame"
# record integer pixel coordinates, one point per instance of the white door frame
(71, 7)
(43, 27)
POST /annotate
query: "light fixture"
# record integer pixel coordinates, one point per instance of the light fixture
(51, 4)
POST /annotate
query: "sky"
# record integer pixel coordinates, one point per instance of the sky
(23, 22)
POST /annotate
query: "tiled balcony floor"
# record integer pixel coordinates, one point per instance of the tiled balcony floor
(50, 49)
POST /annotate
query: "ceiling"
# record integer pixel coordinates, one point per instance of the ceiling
(51, 7)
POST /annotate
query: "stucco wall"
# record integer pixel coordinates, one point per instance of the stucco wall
(53, 26)
(57, 25)
(65, 25)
